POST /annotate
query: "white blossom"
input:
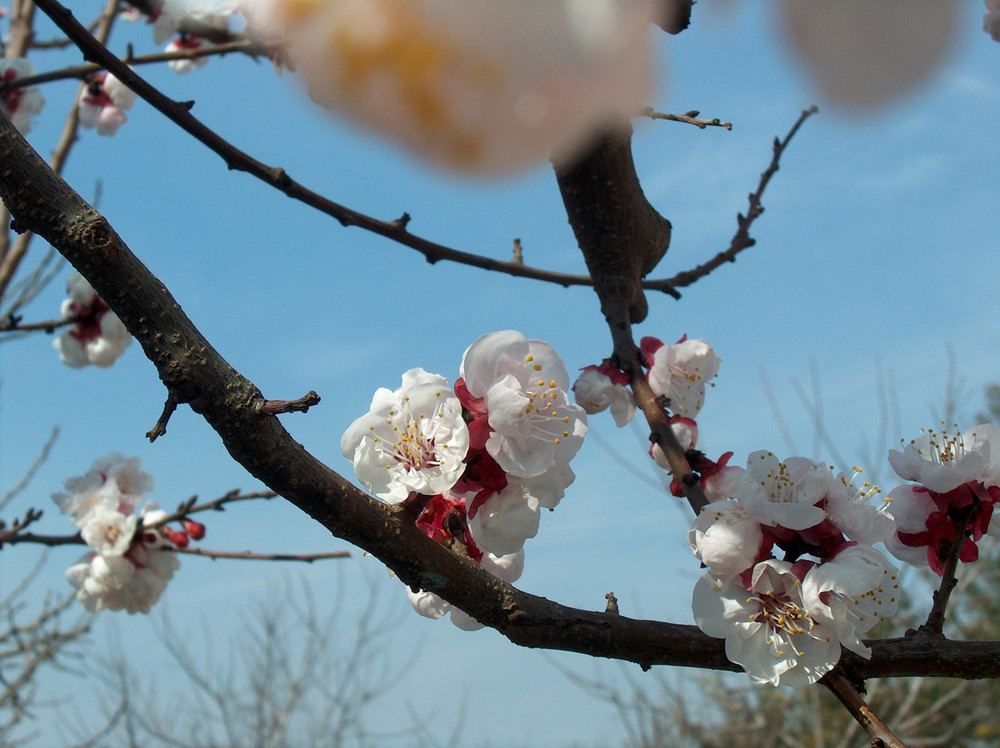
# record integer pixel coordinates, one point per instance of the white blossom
(725, 538)
(523, 385)
(680, 372)
(767, 629)
(413, 439)
(852, 592)
(784, 493)
(850, 509)
(595, 391)
(942, 461)
(506, 520)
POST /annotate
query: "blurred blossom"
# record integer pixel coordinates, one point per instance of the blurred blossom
(864, 54)
(19, 105)
(96, 336)
(491, 86)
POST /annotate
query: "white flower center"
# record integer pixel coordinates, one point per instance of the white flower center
(783, 616)
(416, 446)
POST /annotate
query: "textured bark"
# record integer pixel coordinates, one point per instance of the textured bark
(621, 235)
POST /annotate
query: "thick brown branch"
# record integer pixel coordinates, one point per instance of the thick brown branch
(621, 235)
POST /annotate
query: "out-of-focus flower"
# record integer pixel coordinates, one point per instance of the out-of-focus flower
(991, 19)
(519, 386)
(19, 105)
(113, 479)
(103, 103)
(413, 440)
(680, 372)
(488, 86)
(186, 43)
(866, 53)
(96, 336)
(127, 569)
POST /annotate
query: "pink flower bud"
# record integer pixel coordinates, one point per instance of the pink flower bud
(196, 530)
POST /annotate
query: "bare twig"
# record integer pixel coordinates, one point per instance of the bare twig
(741, 239)
(247, 555)
(301, 405)
(249, 47)
(690, 118)
(160, 427)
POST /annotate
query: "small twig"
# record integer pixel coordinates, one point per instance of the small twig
(13, 324)
(934, 626)
(612, 606)
(218, 505)
(160, 428)
(247, 555)
(274, 407)
(882, 736)
(249, 47)
(518, 256)
(689, 118)
(741, 239)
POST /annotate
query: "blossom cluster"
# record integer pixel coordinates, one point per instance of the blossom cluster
(792, 574)
(129, 563)
(476, 463)
(96, 335)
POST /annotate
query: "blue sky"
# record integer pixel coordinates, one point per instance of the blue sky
(877, 249)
